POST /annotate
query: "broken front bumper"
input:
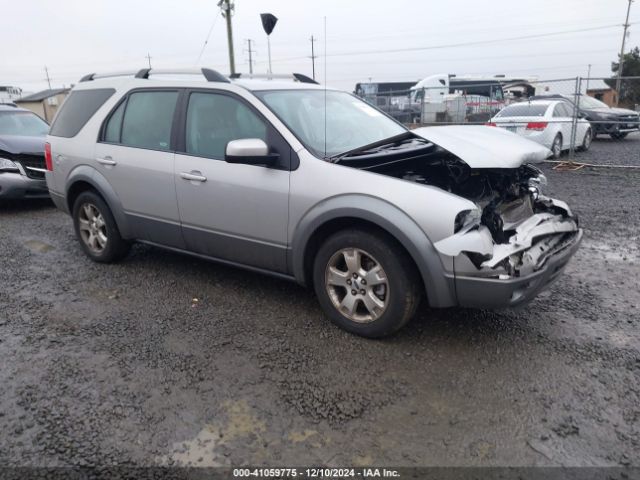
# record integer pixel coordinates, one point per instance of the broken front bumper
(488, 274)
(482, 292)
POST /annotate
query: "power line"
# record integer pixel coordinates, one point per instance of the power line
(478, 42)
(457, 45)
(204, 45)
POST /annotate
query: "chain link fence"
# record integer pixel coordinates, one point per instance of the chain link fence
(563, 114)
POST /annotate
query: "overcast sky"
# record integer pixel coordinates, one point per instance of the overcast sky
(75, 37)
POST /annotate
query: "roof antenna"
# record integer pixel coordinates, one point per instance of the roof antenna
(325, 87)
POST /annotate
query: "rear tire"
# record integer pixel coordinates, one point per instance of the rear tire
(556, 147)
(96, 229)
(366, 283)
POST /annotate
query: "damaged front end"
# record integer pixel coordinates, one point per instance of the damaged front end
(512, 240)
(515, 244)
(517, 237)
(516, 241)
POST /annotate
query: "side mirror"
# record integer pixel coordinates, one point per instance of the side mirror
(249, 151)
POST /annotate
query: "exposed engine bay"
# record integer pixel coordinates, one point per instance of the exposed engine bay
(515, 229)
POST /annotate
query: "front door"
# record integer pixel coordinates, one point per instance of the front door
(234, 212)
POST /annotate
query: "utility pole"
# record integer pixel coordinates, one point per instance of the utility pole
(250, 55)
(588, 77)
(313, 58)
(148, 57)
(621, 63)
(227, 9)
(46, 70)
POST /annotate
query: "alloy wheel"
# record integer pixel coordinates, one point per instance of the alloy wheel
(93, 228)
(357, 285)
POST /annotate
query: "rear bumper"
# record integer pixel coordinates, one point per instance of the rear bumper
(15, 185)
(495, 293)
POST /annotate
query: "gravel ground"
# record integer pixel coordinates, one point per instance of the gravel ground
(167, 360)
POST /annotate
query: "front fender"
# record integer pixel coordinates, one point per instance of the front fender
(439, 287)
(84, 173)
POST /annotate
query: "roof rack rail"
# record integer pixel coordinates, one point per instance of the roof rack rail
(272, 76)
(93, 76)
(209, 74)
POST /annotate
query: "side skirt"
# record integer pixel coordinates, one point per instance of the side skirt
(222, 261)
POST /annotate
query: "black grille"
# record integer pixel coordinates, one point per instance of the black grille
(29, 161)
(629, 118)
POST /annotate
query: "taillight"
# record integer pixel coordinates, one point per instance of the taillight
(47, 156)
(536, 125)
(490, 124)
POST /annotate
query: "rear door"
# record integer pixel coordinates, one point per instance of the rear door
(562, 116)
(231, 211)
(135, 154)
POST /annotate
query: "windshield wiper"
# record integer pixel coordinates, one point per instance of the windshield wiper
(378, 143)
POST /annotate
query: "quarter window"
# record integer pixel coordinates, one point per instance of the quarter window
(148, 117)
(77, 109)
(213, 120)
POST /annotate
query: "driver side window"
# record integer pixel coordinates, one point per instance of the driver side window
(213, 120)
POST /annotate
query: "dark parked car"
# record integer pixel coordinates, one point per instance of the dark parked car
(616, 122)
(22, 164)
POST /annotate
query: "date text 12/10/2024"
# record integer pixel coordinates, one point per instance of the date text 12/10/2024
(315, 473)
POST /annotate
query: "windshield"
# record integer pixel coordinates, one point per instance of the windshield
(22, 123)
(590, 102)
(351, 123)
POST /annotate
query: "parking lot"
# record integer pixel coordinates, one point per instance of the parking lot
(164, 359)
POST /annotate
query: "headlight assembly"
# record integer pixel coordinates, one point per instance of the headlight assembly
(466, 219)
(7, 165)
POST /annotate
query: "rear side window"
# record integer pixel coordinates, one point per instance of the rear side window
(77, 109)
(144, 120)
(565, 110)
(524, 110)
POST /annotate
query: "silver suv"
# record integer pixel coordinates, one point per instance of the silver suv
(310, 184)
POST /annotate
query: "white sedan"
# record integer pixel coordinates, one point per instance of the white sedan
(546, 122)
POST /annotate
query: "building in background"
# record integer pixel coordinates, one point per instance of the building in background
(9, 94)
(44, 103)
(603, 92)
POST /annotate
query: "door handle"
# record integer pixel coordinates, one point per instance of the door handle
(193, 176)
(106, 161)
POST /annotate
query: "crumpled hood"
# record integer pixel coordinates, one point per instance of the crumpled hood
(16, 144)
(480, 146)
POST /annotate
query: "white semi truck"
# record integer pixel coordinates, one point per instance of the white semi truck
(457, 99)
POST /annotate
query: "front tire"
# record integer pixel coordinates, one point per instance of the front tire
(366, 283)
(96, 229)
(619, 135)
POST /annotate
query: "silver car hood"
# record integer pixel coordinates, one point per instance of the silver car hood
(480, 146)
